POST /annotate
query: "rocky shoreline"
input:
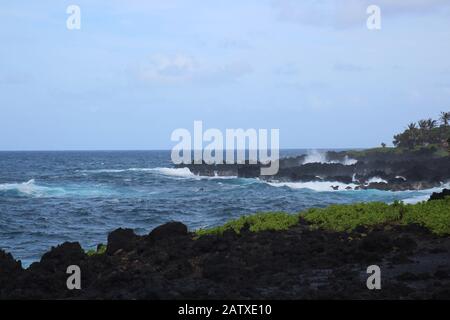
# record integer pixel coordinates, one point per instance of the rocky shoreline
(298, 263)
(382, 170)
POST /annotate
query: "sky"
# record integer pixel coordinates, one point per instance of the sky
(137, 70)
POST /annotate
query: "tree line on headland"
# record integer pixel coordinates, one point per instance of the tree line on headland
(425, 133)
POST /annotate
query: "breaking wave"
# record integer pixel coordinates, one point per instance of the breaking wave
(423, 195)
(376, 180)
(175, 172)
(32, 189)
(29, 188)
(315, 156)
(165, 171)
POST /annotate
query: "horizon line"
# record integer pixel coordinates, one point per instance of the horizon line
(115, 150)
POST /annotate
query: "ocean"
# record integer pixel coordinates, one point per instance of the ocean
(47, 198)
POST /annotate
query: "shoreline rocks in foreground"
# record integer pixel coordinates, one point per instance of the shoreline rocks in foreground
(301, 262)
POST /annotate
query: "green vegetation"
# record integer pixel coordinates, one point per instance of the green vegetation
(425, 133)
(348, 217)
(426, 137)
(373, 151)
(434, 215)
(101, 249)
(433, 150)
(256, 222)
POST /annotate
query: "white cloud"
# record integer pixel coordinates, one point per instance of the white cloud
(179, 68)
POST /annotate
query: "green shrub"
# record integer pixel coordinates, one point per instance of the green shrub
(434, 215)
(256, 222)
(348, 217)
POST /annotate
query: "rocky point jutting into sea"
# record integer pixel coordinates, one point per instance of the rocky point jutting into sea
(381, 168)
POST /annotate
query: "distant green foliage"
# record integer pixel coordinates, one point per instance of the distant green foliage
(426, 137)
(368, 152)
(425, 133)
(100, 250)
(433, 150)
(256, 222)
(434, 215)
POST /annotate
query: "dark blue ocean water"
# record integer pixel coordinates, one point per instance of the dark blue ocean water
(50, 197)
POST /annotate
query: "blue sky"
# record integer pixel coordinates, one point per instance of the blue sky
(139, 69)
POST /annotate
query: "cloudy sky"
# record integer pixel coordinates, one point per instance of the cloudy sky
(138, 69)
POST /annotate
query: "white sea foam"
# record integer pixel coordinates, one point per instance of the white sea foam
(166, 171)
(349, 161)
(186, 173)
(425, 194)
(162, 170)
(109, 170)
(314, 185)
(29, 188)
(25, 187)
(32, 189)
(103, 171)
(175, 172)
(376, 180)
(314, 156)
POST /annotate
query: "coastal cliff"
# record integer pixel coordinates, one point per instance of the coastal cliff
(377, 169)
(420, 159)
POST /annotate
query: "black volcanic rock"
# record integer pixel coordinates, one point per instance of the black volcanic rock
(64, 255)
(440, 195)
(121, 239)
(8, 264)
(298, 263)
(402, 171)
(168, 230)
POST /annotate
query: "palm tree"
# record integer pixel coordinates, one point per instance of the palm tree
(445, 118)
(412, 126)
(431, 123)
(423, 124)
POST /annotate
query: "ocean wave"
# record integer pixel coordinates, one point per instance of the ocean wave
(103, 171)
(315, 156)
(111, 170)
(314, 185)
(175, 172)
(166, 171)
(424, 195)
(376, 180)
(186, 173)
(30, 188)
